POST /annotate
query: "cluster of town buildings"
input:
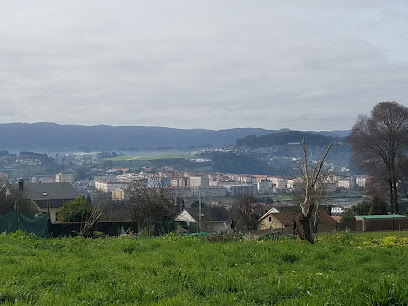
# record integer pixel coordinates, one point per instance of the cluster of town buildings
(115, 182)
(51, 192)
(188, 184)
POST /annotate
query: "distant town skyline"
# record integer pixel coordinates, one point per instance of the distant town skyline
(216, 64)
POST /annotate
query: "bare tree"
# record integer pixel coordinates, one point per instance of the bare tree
(88, 228)
(313, 187)
(246, 208)
(243, 212)
(379, 143)
(150, 205)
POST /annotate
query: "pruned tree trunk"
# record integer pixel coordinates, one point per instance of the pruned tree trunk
(308, 207)
(395, 192)
(88, 228)
(391, 186)
(305, 229)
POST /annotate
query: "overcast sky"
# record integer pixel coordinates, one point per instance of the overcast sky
(307, 65)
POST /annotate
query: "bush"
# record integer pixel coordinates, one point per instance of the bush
(222, 237)
(75, 211)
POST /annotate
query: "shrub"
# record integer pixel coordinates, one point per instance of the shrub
(75, 211)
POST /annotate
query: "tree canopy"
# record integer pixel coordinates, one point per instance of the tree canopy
(77, 210)
(150, 205)
(379, 144)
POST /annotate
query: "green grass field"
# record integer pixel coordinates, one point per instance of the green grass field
(148, 158)
(341, 269)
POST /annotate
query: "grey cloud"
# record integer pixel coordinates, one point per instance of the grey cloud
(215, 64)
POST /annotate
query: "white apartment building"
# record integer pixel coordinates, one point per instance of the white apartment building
(264, 186)
(362, 181)
(290, 184)
(179, 182)
(127, 177)
(197, 181)
(347, 183)
(280, 183)
(42, 179)
(108, 186)
(247, 179)
(233, 177)
(64, 178)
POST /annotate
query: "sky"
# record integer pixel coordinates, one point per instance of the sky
(215, 64)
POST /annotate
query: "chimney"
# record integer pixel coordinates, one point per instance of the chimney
(329, 209)
(21, 184)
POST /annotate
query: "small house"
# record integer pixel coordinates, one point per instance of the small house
(284, 221)
(49, 196)
(185, 216)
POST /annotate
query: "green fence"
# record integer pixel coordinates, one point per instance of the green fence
(16, 221)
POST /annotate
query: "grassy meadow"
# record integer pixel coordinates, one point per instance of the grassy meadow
(149, 158)
(341, 269)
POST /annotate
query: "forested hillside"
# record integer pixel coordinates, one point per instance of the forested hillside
(284, 138)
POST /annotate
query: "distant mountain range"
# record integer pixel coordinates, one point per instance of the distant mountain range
(46, 136)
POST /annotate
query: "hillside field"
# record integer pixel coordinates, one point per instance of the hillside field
(341, 269)
(149, 158)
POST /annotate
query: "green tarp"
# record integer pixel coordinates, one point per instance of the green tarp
(16, 221)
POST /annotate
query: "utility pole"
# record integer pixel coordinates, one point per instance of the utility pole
(199, 210)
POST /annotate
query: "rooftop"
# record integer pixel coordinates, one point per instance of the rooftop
(37, 191)
(380, 217)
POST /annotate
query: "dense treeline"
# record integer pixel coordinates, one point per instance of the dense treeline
(237, 163)
(283, 138)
